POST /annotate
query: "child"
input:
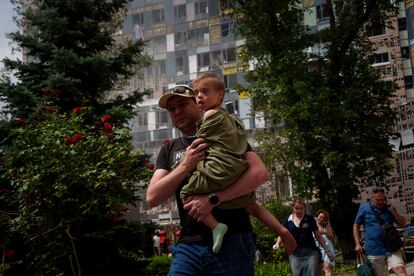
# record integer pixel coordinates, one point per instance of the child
(225, 160)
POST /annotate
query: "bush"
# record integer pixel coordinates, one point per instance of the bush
(159, 266)
(272, 268)
(69, 185)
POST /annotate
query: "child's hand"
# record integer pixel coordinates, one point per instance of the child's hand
(289, 242)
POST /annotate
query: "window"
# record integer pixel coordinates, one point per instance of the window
(374, 29)
(199, 35)
(180, 38)
(180, 11)
(159, 67)
(138, 19)
(141, 119)
(179, 66)
(232, 107)
(405, 52)
(408, 81)
(322, 11)
(402, 24)
(203, 60)
(216, 58)
(379, 58)
(158, 16)
(230, 81)
(229, 55)
(226, 29)
(161, 117)
(159, 44)
(201, 8)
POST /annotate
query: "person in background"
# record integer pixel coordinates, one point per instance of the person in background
(193, 254)
(322, 220)
(305, 259)
(156, 246)
(375, 248)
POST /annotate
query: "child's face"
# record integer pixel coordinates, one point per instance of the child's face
(208, 96)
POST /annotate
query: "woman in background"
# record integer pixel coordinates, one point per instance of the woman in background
(305, 259)
(322, 220)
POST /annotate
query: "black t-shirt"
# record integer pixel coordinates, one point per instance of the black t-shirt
(237, 220)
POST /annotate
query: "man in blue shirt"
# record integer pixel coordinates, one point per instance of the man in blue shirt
(375, 248)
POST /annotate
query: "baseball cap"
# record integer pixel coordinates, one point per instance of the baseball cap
(179, 90)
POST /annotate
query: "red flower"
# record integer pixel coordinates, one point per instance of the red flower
(73, 139)
(166, 141)
(9, 253)
(116, 219)
(53, 92)
(77, 110)
(110, 137)
(48, 109)
(20, 121)
(107, 127)
(78, 136)
(106, 118)
(126, 150)
(150, 166)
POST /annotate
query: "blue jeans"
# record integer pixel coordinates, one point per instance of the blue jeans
(235, 258)
(304, 262)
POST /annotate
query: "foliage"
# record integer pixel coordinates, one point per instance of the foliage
(159, 265)
(282, 269)
(68, 190)
(71, 58)
(272, 268)
(334, 115)
(265, 237)
(68, 170)
(342, 268)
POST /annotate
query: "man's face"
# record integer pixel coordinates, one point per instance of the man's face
(378, 200)
(184, 114)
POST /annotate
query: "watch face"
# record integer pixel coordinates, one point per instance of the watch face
(213, 199)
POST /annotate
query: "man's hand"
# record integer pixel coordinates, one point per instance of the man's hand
(193, 154)
(358, 248)
(198, 206)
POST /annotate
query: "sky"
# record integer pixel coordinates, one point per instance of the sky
(6, 26)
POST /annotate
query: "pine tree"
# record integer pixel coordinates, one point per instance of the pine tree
(71, 57)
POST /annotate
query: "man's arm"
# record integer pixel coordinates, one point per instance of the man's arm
(397, 217)
(355, 232)
(253, 177)
(164, 183)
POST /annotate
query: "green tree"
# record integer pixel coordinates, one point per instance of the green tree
(334, 112)
(67, 167)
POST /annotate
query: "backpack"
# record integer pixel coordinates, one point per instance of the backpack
(389, 234)
(391, 237)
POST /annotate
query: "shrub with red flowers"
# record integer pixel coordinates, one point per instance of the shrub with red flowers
(71, 187)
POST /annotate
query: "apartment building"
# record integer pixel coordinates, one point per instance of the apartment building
(184, 39)
(189, 37)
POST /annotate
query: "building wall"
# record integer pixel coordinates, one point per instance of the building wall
(189, 37)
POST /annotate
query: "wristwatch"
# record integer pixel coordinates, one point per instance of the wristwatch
(213, 199)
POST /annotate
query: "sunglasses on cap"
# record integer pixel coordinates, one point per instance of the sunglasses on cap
(378, 190)
(179, 90)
